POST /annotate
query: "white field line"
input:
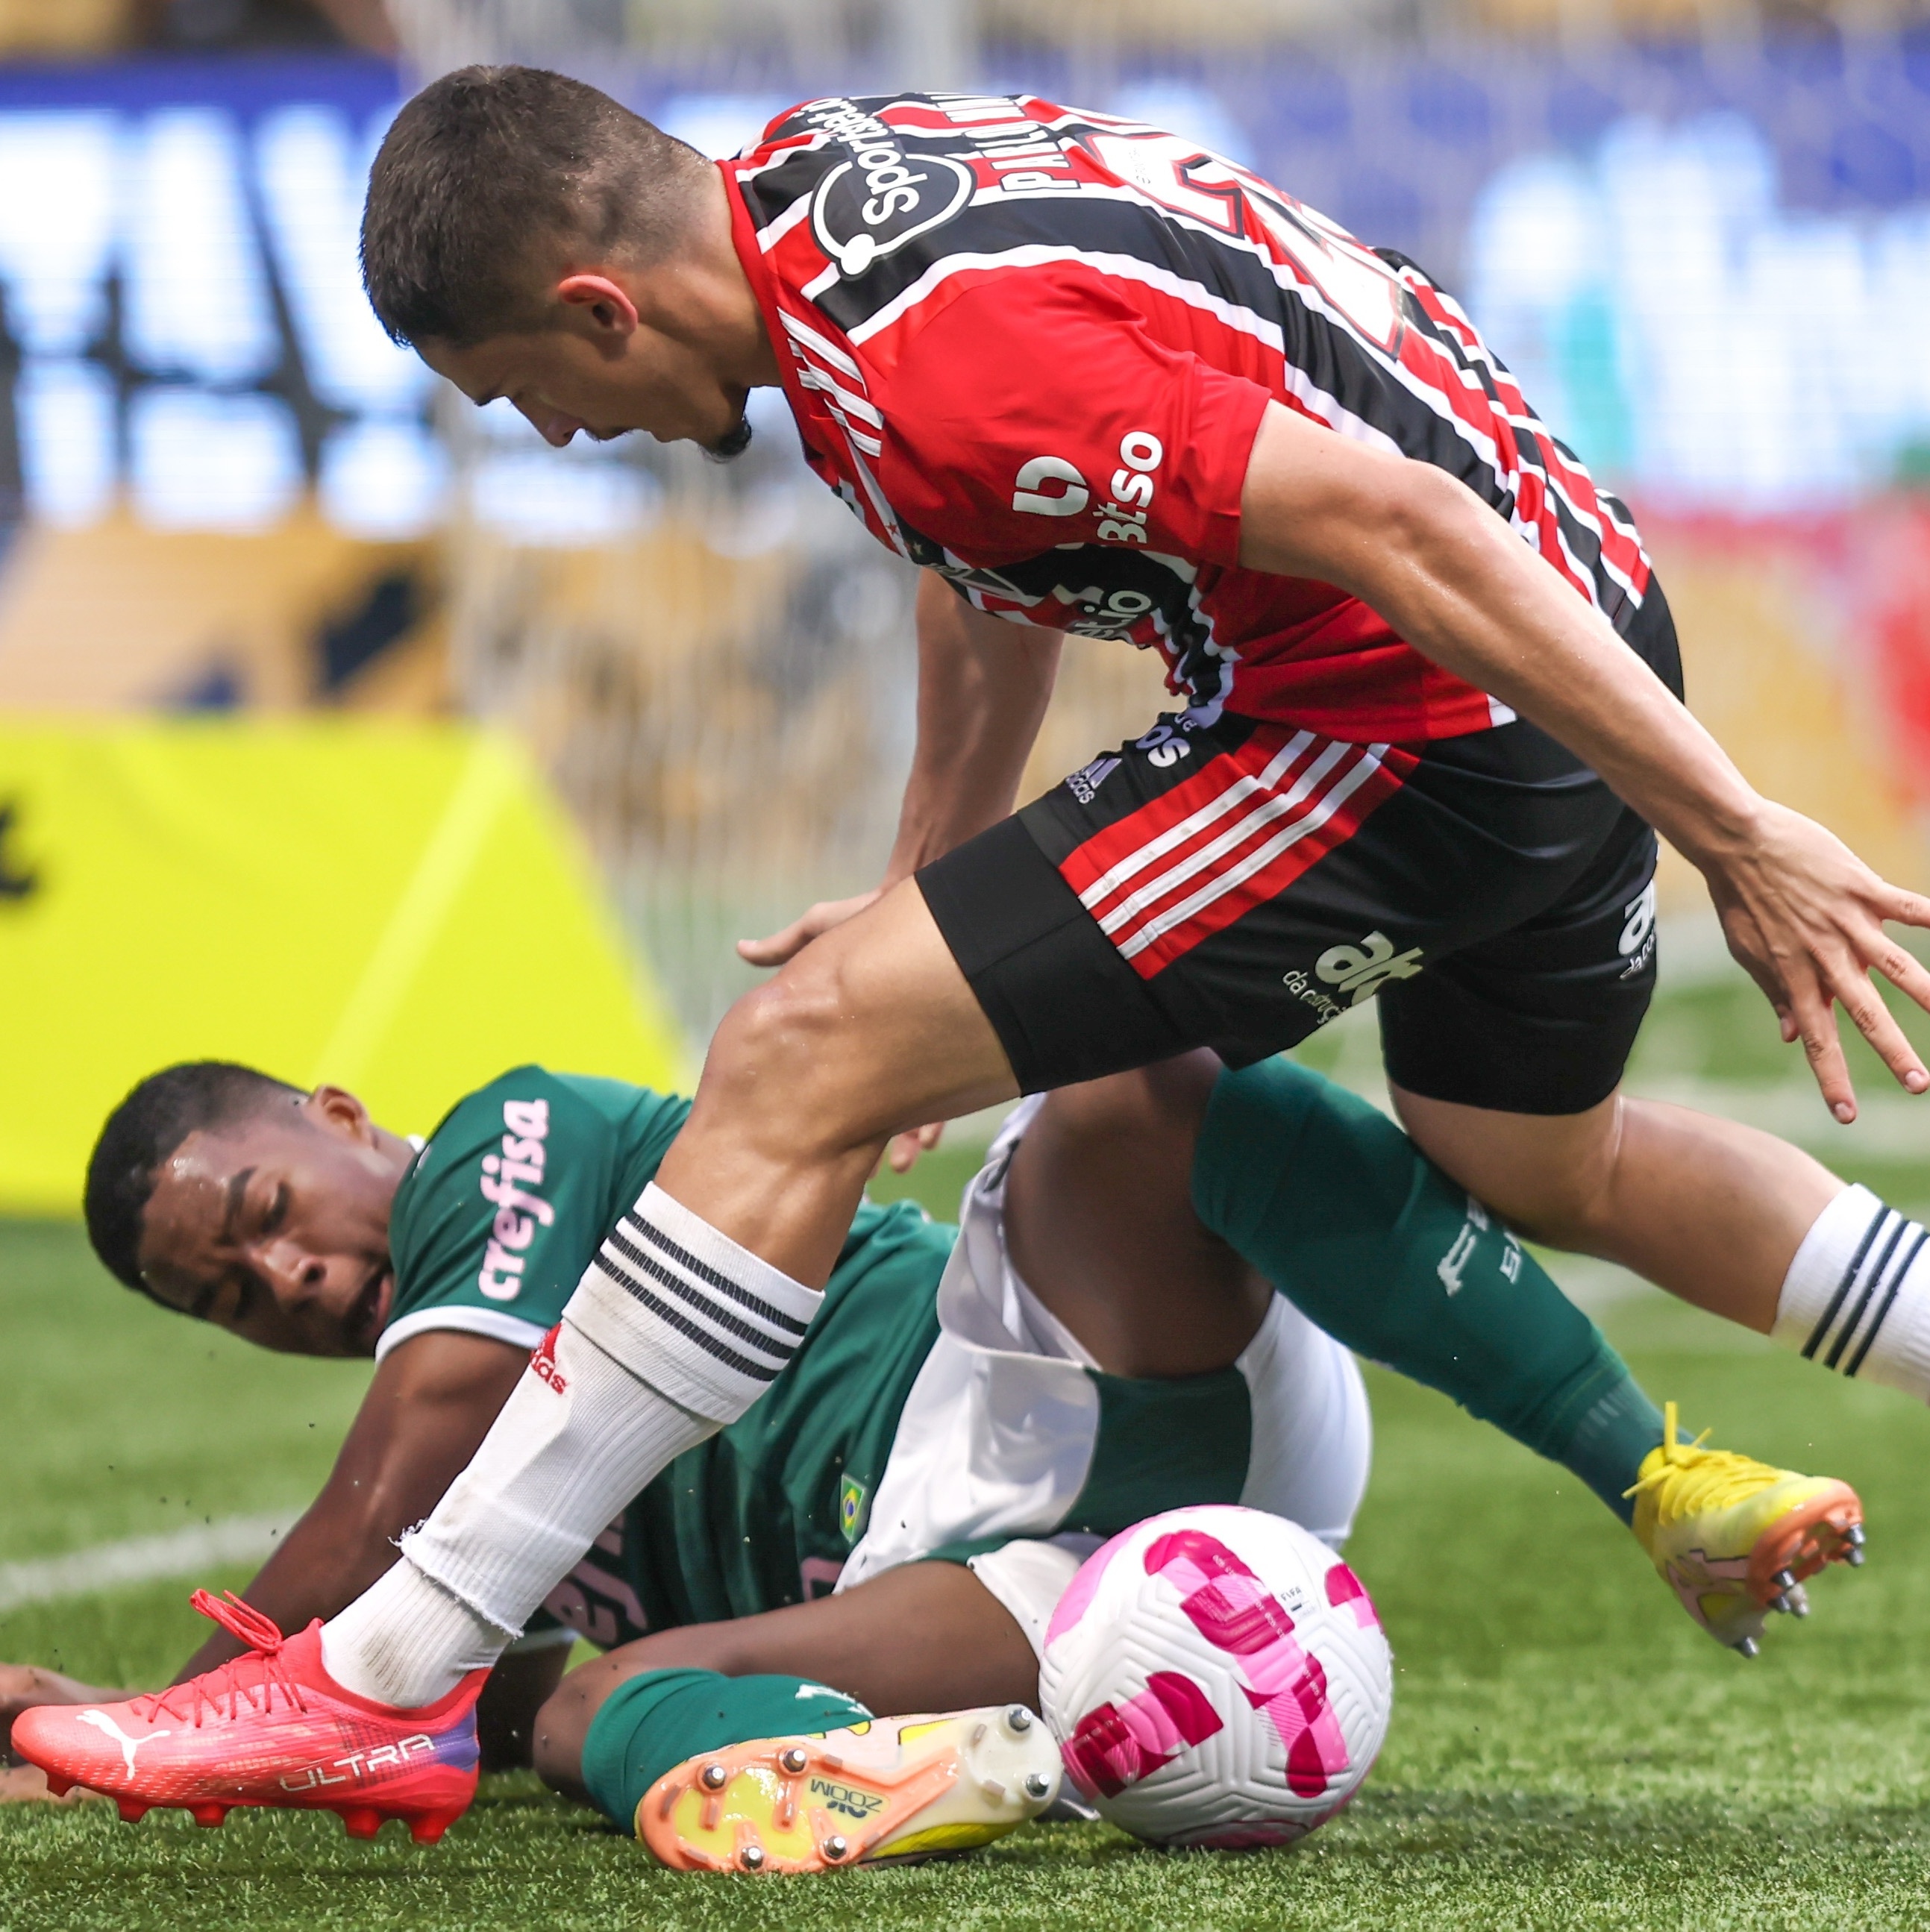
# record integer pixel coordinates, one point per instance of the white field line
(141, 1559)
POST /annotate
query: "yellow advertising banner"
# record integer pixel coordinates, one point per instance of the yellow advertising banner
(400, 908)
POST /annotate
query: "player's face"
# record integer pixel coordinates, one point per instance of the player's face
(567, 380)
(277, 1228)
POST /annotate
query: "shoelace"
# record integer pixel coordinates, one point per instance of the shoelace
(254, 1678)
(1690, 1477)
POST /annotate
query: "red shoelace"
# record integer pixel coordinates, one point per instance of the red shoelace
(254, 1678)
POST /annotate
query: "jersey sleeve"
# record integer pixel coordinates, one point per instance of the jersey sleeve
(1034, 413)
(503, 1209)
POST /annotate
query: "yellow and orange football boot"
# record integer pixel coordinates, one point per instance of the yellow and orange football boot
(1735, 1538)
(896, 1788)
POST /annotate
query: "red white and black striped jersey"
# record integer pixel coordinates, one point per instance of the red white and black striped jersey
(1031, 348)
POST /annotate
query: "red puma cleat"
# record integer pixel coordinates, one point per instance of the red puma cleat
(271, 1728)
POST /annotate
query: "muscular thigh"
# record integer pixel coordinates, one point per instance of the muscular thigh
(1099, 1224)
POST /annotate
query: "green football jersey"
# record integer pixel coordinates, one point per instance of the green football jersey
(508, 1203)
(493, 1226)
(503, 1207)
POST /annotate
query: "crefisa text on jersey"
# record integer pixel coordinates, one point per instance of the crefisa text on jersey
(506, 1180)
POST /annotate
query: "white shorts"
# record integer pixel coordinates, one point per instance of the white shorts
(1003, 1428)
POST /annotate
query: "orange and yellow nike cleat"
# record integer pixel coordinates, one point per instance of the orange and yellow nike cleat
(894, 1788)
(1734, 1538)
(271, 1728)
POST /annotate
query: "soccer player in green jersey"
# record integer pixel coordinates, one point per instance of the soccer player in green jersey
(888, 1531)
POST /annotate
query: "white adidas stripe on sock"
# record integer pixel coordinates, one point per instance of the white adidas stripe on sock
(699, 1317)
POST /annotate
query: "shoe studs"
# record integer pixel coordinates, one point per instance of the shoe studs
(834, 1848)
(792, 1759)
(1037, 1784)
(132, 1810)
(361, 1821)
(1017, 1719)
(713, 1777)
(209, 1816)
(1745, 1646)
(1785, 1580)
(752, 1858)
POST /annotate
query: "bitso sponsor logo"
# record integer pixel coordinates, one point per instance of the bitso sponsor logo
(1123, 519)
(507, 1177)
(1030, 498)
(871, 205)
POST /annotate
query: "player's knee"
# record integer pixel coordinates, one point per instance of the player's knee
(555, 1743)
(785, 1055)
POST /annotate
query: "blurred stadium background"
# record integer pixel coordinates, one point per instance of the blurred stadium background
(366, 737)
(233, 514)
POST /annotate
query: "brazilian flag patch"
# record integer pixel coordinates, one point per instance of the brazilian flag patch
(853, 1505)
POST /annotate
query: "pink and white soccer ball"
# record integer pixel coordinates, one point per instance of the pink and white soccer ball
(1217, 1676)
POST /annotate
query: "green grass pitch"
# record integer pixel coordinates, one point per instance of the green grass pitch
(1566, 1750)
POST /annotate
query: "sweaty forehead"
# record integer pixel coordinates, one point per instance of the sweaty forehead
(195, 1193)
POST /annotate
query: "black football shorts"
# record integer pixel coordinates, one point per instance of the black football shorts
(1238, 884)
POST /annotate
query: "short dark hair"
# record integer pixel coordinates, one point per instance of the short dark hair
(482, 166)
(142, 1134)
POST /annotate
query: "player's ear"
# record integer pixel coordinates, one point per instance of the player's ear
(605, 305)
(338, 1110)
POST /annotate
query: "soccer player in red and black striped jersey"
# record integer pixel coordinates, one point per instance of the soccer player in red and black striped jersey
(1426, 712)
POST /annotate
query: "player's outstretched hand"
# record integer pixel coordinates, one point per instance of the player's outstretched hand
(1806, 916)
(902, 1156)
(776, 949)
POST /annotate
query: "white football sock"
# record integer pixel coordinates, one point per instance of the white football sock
(1856, 1297)
(406, 1640)
(674, 1331)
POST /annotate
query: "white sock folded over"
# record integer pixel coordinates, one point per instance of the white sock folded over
(1856, 1297)
(674, 1331)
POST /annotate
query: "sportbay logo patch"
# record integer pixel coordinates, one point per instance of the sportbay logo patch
(882, 197)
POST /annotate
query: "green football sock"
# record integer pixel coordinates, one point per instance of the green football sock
(650, 1724)
(1333, 1203)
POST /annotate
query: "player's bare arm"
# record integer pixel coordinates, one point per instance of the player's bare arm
(1801, 911)
(430, 1402)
